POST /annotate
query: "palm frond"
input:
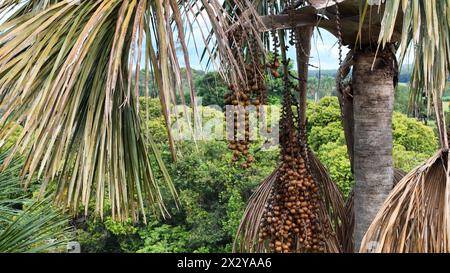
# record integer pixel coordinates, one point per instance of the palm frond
(247, 236)
(27, 225)
(415, 216)
(69, 73)
(426, 29)
(73, 95)
(334, 204)
(38, 228)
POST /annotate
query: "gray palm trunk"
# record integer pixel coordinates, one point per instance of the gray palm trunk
(373, 98)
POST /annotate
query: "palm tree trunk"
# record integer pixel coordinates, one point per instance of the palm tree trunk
(373, 90)
(303, 50)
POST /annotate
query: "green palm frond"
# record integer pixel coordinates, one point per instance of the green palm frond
(27, 225)
(10, 193)
(37, 229)
(426, 29)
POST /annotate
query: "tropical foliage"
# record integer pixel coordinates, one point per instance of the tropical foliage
(213, 194)
(28, 224)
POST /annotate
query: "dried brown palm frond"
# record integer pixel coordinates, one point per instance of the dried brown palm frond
(350, 228)
(248, 232)
(415, 216)
(334, 203)
(332, 207)
(398, 175)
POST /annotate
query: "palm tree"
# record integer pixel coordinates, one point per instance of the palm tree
(424, 25)
(367, 103)
(373, 31)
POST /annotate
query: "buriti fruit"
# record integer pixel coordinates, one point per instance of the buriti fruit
(250, 92)
(291, 219)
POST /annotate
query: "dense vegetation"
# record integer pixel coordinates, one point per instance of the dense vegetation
(213, 191)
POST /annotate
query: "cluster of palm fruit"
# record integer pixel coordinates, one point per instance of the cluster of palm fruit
(275, 65)
(251, 92)
(291, 220)
(241, 124)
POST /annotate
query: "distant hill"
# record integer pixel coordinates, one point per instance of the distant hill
(322, 73)
(404, 77)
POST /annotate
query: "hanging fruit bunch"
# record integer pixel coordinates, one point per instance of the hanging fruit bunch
(292, 220)
(297, 208)
(251, 92)
(275, 65)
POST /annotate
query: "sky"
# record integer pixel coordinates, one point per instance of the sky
(324, 51)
